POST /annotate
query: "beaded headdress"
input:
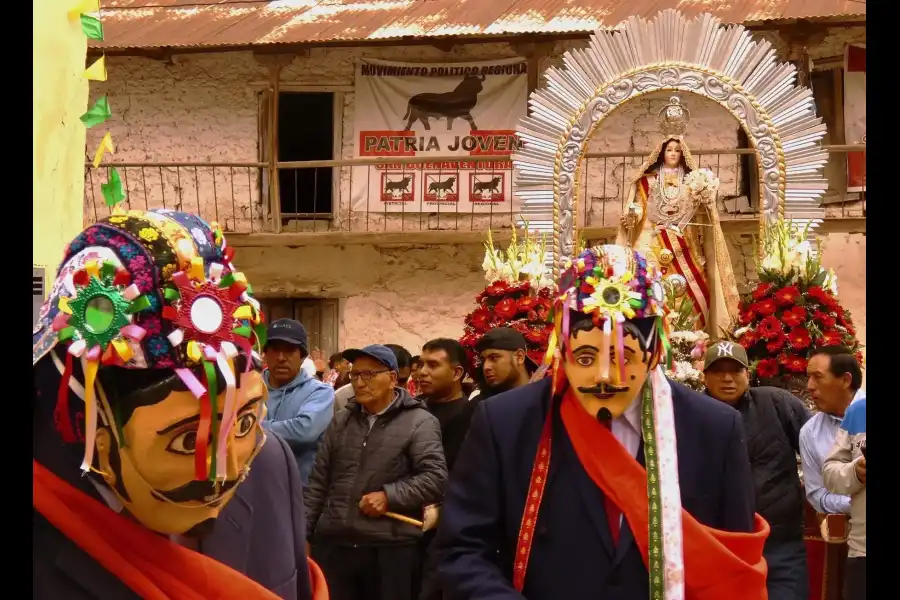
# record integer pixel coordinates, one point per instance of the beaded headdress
(152, 290)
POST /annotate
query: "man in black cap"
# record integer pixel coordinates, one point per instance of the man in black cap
(299, 405)
(772, 421)
(382, 454)
(505, 364)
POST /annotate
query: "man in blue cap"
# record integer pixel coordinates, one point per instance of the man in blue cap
(300, 406)
(381, 458)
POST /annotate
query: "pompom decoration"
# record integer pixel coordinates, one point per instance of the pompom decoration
(519, 295)
(794, 309)
(96, 324)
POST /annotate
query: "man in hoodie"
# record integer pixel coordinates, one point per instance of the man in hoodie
(382, 455)
(300, 406)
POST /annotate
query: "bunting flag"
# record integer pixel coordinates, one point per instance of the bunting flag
(97, 71)
(106, 145)
(97, 114)
(87, 12)
(855, 114)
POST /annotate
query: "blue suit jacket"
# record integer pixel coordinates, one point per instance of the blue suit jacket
(573, 556)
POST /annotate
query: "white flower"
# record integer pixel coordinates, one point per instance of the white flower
(772, 262)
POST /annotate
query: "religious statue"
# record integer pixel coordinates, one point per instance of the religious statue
(661, 203)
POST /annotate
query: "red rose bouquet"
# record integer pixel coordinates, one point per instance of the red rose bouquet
(519, 295)
(793, 310)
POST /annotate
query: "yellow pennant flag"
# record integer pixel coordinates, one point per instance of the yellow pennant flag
(106, 145)
(97, 71)
(83, 7)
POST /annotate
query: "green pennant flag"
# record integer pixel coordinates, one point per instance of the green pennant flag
(112, 189)
(92, 27)
(97, 114)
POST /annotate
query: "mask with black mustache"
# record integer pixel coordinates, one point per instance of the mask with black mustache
(603, 389)
(196, 491)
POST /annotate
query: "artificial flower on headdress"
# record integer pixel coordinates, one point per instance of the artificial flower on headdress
(612, 284)
(97, 324)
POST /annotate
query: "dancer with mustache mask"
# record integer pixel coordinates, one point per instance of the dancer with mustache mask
(632, 486)
(147, 407)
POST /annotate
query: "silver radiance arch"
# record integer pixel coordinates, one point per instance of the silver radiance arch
(669, 53)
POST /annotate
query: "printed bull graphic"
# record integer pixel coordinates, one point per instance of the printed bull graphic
(441, 188)
(397, 187)
(457, 104)
(490, 185)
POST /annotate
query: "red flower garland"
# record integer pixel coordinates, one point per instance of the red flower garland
(784, 324)
(517, 305)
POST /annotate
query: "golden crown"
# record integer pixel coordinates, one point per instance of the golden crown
(674, 117)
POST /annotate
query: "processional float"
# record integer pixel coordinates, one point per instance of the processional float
(680, 56)
(671, 53)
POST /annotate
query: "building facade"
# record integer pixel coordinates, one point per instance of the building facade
(359, 278)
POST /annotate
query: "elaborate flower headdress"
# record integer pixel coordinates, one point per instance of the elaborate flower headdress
(152, 290)
(612, 284)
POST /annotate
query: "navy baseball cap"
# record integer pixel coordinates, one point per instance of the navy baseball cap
(382, 354)
(287, 330)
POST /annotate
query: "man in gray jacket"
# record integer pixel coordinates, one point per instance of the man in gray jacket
(381, 454)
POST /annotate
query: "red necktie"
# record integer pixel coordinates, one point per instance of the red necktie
(613, 513)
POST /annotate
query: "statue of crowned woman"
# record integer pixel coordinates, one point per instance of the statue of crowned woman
(670, 215)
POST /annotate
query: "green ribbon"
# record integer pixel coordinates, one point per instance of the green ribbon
(65, 333)
(664, 340)
(107, 270)
(261, 334)
(138, 304)
(171, 294)
(655, 552)
(243, 331)
(227, 281)
(212, 386)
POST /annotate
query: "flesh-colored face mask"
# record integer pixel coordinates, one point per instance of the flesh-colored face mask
(586, 376)
(156, 465)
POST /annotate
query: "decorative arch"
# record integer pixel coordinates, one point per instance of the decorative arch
(700, 56)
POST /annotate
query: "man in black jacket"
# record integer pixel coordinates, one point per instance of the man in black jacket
(382, 453)
(772, 420)
(505, 364)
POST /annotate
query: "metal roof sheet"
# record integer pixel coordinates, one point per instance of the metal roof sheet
(135, 24)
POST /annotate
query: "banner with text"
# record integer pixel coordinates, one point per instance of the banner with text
(855, 114)
(438, 110)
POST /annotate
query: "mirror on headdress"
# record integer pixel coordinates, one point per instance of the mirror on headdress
(99, 314)
(206, 314)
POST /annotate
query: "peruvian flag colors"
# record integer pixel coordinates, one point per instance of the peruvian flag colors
(855, 114)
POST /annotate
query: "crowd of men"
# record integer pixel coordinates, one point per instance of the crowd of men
(377, 432)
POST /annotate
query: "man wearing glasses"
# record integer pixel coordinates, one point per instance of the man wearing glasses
(381, 454)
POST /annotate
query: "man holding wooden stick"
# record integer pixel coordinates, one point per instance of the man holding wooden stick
(379, 466)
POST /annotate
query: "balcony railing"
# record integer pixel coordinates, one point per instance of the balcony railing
(339, 195)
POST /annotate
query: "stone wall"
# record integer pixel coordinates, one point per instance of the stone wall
(404, 295)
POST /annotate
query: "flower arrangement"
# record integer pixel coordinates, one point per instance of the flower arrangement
(688, 345)
(519, 295)
(703, 185)
(793, 310)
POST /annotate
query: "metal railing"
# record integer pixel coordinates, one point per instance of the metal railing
(373, 195)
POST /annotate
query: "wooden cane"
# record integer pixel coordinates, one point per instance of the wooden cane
(405, 519)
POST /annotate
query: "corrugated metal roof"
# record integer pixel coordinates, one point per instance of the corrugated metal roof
(133, 24)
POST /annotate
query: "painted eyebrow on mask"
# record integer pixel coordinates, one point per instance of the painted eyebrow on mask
(585, 347)
(195, 418)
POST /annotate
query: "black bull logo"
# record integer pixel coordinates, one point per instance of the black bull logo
(457, 104)
(445, 186)
(487, 186)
